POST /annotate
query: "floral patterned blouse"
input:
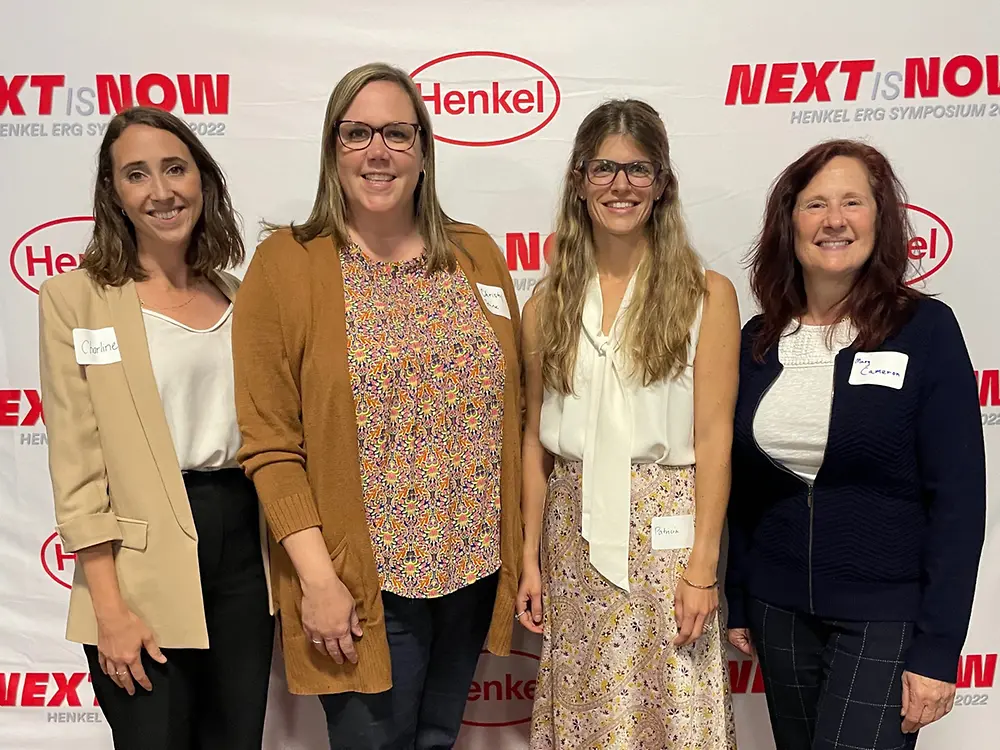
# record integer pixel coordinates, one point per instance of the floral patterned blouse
(428, 376)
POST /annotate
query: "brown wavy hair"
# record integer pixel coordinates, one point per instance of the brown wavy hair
(879, 302)
(329, 216)
(112, 256)
(670, 281)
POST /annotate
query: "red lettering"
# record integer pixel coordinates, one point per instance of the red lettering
(524, 101)
(62, 557)
(992, 76)
(34, 409)
(113, 96)
(66, 687)
(45, 259)
(739, 677)
(205, 92)
(529, 689)
(10, 94)
(918, 248)
(539, 89)
(815, 84)
(745, 85)
(779, 87)
(951, 70)
(61, 264)
(33, 693)
(144, 92)
(10, 402)
(854, 70)
(922, 75)
(513, 689)
(474, 691)
(8, 688)
(483, 97)
(46, 86)
(500, 100)
(454, 103)
(65, 262)
(434, 99)
(974, 672)
(523, 254)
(989, 387)
(495, 684)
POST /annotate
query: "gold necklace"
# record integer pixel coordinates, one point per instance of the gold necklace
(172, 307)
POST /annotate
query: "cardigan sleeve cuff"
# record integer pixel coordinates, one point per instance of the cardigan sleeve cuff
(736, 611)
(86, 531)
(286, 497)
(934, 657)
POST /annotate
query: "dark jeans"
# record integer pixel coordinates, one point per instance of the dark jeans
(434, 645)
(831, 684)
(215, 698)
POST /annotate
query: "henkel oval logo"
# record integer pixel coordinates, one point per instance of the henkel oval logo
(51, 248)
(58, 563)
(931, 245)
(503, 691)
(484, 98)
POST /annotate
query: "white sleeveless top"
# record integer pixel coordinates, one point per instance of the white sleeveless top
(612, 421)
(194, 376)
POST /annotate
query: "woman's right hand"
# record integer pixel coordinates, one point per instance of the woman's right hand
(529, 597)
(330, 619)
(120, 641)
(740, 638)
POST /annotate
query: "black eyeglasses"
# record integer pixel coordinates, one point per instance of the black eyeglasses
(604, 172)
(398, 136)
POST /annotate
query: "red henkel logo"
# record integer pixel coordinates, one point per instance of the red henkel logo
(20, 408)
(45, 689)
(525, 252)
(931, 246)
(494, 111)
(921, 78)
(58, 563)
(49, 249)
(740, 674)
(199, 94)
(503, 691)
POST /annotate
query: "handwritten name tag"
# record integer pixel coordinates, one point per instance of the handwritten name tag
(879, 368)
(673, 532)
(495, 300)
(96, 347)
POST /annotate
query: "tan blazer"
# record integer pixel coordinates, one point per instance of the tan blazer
(115, 474)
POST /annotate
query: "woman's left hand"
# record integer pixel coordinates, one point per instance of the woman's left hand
(925, 700)
(692, 608)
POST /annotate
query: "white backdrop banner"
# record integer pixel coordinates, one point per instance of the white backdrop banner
(743, 87)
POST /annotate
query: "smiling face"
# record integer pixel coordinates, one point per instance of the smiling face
(157, 184)
(834, 217)
(376, 178)
(620, 208)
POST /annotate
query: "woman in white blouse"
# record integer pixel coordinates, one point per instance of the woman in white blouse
(631, 357)
(170, 596)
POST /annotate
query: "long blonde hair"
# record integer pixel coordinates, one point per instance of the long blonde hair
(329, 212)
(669, 282)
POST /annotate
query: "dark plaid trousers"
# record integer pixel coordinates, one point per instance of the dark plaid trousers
(831, 684)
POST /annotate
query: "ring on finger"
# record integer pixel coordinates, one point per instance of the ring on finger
(519, 615)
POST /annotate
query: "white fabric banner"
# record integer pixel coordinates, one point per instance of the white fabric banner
(743, 87)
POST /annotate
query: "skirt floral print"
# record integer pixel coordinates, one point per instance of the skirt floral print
(609, 676)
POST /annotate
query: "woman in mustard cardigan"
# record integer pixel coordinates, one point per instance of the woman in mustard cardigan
(378, 394)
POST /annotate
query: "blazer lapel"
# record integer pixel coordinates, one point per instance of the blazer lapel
(126, 315)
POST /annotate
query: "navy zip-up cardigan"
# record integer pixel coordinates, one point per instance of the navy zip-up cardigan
(893, 528)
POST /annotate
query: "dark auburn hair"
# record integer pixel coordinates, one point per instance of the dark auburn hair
(879, 301)
(112, 256)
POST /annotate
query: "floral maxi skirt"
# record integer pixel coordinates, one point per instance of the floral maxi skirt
(609, 675)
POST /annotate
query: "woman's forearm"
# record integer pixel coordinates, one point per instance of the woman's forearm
(536, 468)
(98, 563)
(712, 484)
(310, 557)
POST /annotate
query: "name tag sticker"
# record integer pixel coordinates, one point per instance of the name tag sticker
(495, 300)
(673, 532)
(879, 368)
(96, 347)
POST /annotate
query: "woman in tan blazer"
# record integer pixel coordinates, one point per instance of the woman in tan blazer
(379, 396)
(171, 591)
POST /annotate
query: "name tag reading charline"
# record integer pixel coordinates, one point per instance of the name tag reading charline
(673, 532)
(879, 368)
(494, 299)
(96, 347)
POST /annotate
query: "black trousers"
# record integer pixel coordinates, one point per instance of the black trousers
(831, 684)
(434, 645)
(215, 698)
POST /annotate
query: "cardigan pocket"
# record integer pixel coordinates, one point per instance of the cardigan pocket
(349, 570)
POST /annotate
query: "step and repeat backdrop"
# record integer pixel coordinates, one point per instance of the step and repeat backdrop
(743, 87)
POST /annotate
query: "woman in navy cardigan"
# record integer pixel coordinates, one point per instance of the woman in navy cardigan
(858, 504)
